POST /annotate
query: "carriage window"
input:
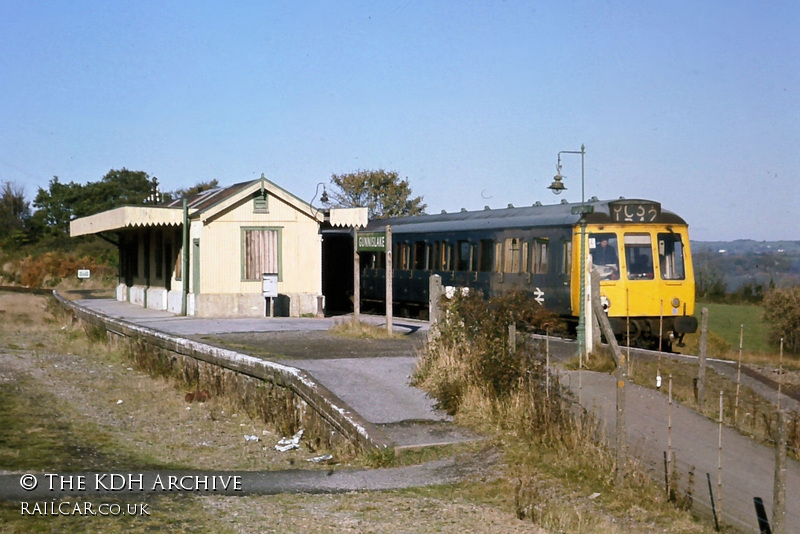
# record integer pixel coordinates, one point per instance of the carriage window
(566, 259)
(603, 248)
(464, 259)
(433, 255)
(420, 259)
(512, 256)
(540, 256)
(639, 256)
(670, 255)
(525, 257)
(485, 264)
(498, 257)
(446, 256)
(402, 256)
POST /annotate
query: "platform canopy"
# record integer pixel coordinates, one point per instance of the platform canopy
(126, 217)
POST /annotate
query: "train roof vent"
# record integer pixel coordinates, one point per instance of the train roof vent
(463, 210)
(511, 205)
(594, 199)
(622, 198)
(486, 208)
(537, 203)
(564, 201)
(444, 212)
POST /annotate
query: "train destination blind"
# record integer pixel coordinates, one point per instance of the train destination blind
(371, 242)
(634, 211)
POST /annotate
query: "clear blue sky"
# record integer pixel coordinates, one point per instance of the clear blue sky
(695, 104)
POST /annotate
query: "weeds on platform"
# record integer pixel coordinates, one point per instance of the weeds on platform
(351, 328)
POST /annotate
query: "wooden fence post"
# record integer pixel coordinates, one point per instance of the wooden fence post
(622, 379)
(700, 388)
(779, 490)
(434, 300)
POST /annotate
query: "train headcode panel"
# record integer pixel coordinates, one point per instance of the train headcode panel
(623, 211)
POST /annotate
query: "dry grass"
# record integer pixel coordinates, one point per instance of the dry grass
(560, 474)
(58, 411)
(351, 328)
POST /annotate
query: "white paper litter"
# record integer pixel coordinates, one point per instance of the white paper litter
(287, 444)
(320, 459)
(250, 438)
(119, 401)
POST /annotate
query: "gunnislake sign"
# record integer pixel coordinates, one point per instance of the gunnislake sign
(371, 242)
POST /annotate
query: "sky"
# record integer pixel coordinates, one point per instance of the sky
(694, 104)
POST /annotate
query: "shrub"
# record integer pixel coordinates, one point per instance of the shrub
(782, 314)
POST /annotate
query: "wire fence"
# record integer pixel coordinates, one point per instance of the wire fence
(724, 456)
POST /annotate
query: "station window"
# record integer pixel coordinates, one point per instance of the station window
(639, 256)
(260, 252)
(670, 255)
(603, 248)
(540, 256)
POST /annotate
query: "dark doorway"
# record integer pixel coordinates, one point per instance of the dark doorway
(337, 272)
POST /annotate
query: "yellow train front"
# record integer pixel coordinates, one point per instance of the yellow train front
(642, 256)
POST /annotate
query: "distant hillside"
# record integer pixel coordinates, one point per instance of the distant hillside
(744, 262)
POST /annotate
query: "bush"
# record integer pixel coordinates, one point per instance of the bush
(472, 348)
(782, 315)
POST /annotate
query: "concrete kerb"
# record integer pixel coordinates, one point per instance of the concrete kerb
(330, 408)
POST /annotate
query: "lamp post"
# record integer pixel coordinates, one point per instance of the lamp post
(557, 187)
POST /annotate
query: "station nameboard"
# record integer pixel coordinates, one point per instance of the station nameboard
(371, 242)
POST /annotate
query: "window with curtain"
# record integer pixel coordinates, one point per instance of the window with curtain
(260, 252)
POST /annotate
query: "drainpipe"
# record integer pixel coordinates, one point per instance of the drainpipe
(185, 257)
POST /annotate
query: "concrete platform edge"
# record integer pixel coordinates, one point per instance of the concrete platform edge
(341, 418)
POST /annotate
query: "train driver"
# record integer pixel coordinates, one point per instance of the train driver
(605, 255)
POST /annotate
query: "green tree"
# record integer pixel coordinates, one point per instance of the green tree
(61, 202)
(15, 212)
(382, 192)
(782, 314)
(199, 187)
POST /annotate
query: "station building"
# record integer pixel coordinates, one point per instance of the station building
(208, 256)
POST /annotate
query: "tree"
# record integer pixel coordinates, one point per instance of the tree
(199, 187)
(782, 314)
(61, 202)
(14, 209)
(382, 192)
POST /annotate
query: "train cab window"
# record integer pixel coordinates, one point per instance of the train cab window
(639, 256)
(513, 253)
(670, 255)
(485, 253)
(420, 256)
(603, 248)
(540, 256)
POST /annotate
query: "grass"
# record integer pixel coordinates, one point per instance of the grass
(725, 320)
(350, 328)
(59, 412)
